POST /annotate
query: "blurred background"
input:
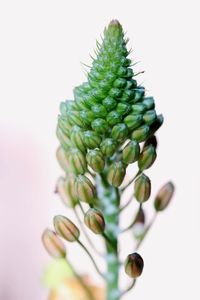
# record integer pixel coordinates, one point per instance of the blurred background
(42, 46)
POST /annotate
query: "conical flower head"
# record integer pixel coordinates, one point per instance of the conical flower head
(110, 107)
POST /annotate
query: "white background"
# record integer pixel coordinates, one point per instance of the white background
(41, 46)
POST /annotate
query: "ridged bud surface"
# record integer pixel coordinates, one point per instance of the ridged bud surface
(142, 188)
(147, 157)
(94, 220)
(95, 160)
(131, 152)
(66, 228)
(84, 189)
(164, 196)
(116, 173)
(53, 244)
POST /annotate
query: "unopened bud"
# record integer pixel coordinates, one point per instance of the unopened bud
(77, 138)
(142, 188)
(94, 220)
(108, 147)
(141, 133)
(62, 159)
(134, 265)
(66, 228)
(164, 196)
(99, 125)
(147, 157)
(63, 138)
(152, 140)
(116, 173)
(91, 139)
(150, 116)
(84, 189)
(65, 189)
(74, 118)
(131, 152)
(77, 161)
(133, 121)
(64, 125)
(149, 102)
(95, 160)
(53, 244)
(119, 132)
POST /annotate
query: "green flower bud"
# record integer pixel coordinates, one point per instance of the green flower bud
(109, 103)
(119, 132)
(75, 118)
(142, 188)
(62, 159)
(133, 121)
(100, 126)
(95, 160)
(64, 125)
(66, 228)
(63, 138)
(134, 265)
(164, 196)
(99, 111)
(53, 244)
(123, 108)
(113, 117)
(156, 124)
(87, 117)
(116, 174)
(77, 138)
(139, 94)
(149, 102)
(139, 108)
(77, 161)
(147, 157)
(108, 147)
(119, 83)
(91, 139)
(149, 117)
(131, 152)
(65, 189)
(84, 189)
(115, 93)
(140, 134)
(94, 220)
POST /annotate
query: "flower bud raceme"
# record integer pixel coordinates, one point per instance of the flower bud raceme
(164, 196)
(147, 157)
(84, 189)
(94, 220)
(66, 228)
(134, 265)
(142, 188)
(77, 161)
(116, 173)
(53, 244)
(131, 152)
(95, 160)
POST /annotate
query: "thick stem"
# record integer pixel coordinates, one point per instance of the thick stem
(109, 203)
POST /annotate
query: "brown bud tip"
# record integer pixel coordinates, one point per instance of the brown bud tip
(66, 228)
(164, 196)
(114, 23)
(134, 265)
(53, 244)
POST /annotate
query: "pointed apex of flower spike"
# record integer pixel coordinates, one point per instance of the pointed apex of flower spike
(114, 22)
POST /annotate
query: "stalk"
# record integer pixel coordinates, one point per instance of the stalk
(110, 200)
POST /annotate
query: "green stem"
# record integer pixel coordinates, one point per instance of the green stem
(109, 204)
